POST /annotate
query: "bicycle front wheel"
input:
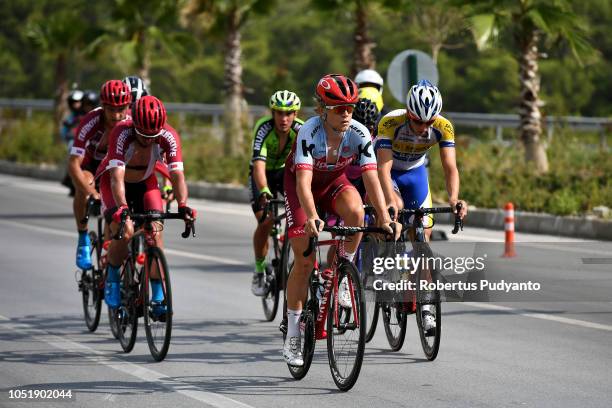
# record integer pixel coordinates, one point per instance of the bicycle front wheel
(125, 316)
(429, 314)
(394, 319)
(92, 286)
(346, 328)
(157, 315)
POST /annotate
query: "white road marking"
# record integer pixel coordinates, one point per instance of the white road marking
(109, 360)
(203, 257)
(170, 251)
(543, 316)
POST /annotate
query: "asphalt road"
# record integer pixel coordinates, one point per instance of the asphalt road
(546, 354)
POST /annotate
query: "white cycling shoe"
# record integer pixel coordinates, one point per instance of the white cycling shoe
(429, 320)
(344, 294)
(292, 352)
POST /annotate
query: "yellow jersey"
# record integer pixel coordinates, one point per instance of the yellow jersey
(408, 148)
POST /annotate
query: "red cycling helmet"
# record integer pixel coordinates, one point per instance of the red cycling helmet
(149, 116)
(335, 89)
(115, 93)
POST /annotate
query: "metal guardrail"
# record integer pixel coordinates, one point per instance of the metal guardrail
(479, 120)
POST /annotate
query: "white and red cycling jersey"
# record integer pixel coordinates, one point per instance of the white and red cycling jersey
(328, 178)
(310, 152)
(122, 144)
(89, 135)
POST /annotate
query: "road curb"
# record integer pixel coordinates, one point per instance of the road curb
(578, 227)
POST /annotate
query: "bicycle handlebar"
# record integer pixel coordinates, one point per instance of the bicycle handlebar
(189, 224)
(458, 224)
(268, 208)
(342, 231)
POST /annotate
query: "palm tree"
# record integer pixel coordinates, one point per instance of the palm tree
(531, 22)
(60, 34)
(434, 21)
(226, 18)
(363, 55)
(138, 28)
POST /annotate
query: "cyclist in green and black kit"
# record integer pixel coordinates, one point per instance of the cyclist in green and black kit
(273, 137)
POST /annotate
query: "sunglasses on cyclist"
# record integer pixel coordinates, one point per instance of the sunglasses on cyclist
(420, 122)
(340, 109)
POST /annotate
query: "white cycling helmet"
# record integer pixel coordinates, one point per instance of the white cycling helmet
(137, 87)
(424, 101)
(369, 76)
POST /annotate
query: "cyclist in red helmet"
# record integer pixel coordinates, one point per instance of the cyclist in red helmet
(315, 173)
(128, 181)
(89, 148)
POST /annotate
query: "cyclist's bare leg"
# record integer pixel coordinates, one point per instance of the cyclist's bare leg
(158, 237)
(297, 284)
(79, 203)
(350, 208)
(260, 236)
(118, 249)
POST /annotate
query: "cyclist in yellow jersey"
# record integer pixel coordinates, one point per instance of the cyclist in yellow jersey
(404, 137)
(273, 138)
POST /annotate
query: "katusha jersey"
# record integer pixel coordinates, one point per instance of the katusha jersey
(121, 145)
(266, 143)
(89, 135)
(408, 148)
(310, 151)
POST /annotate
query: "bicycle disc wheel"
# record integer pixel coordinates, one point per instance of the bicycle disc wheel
(270, 300)
(428, 302)
(90, 286)
(394, 320)
(126, 314)
(158, 324)
(346, 327)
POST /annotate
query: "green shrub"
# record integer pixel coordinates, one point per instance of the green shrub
(31, 141)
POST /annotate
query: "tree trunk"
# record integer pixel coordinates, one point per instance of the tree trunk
(61, 95)
(144, 63)
(529, 109)
(234, 134)
(435, 51)
(363, 57)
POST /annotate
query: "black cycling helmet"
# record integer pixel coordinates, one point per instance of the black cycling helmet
(366, 113)
(91, 98)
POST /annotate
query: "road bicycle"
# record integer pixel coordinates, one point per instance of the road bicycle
(276, 271)
(345, 325)
(136, 298)
(421, 301)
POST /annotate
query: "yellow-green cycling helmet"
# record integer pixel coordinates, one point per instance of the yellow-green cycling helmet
(285, 101)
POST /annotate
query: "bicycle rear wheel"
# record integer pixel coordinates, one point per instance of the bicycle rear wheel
(307, 334)
(346, 329)
(428, 302)
(394, 319)
(125, 316)
(270, 300)
(365, 255)
(90, 288)
(157, 320)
